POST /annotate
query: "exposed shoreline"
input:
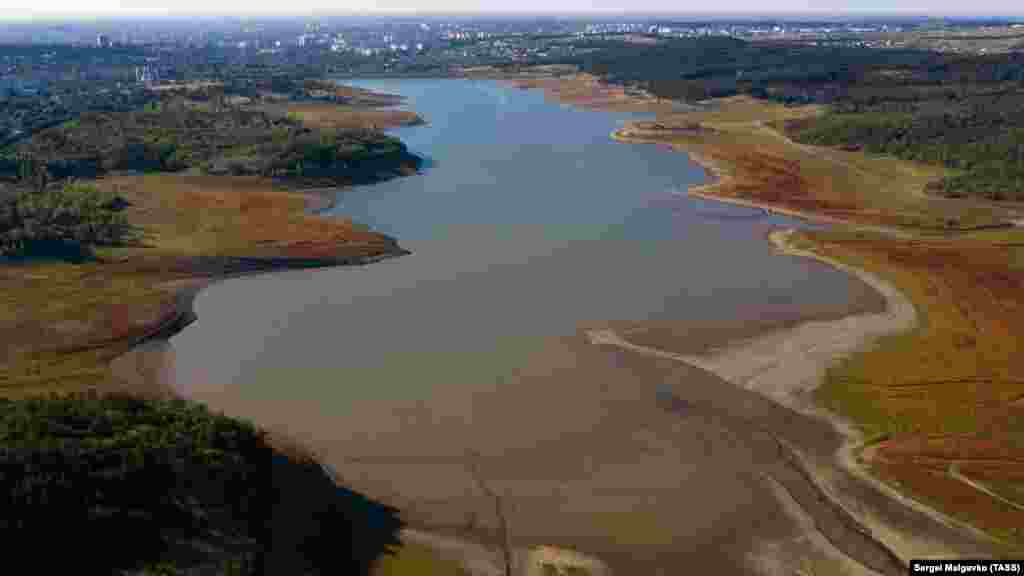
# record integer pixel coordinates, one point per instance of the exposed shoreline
(182, 314)
(900, 316)
(719, 177)
(141, 368)
(724, 363)
(785, 366)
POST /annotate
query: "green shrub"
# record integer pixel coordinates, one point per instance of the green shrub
(74, 216)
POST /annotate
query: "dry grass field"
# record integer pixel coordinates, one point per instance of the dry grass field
(238, 216)
(326, 115)
(65, 322)
(946, 400)
(587, 91)
(758, 163)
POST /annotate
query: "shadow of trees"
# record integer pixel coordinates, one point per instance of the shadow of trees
(118, 485)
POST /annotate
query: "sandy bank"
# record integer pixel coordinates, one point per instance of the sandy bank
(786, 366)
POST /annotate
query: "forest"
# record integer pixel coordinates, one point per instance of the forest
(177, 133)
(123, 484)
(964, 111)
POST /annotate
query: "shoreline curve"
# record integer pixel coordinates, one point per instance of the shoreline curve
(787, 365)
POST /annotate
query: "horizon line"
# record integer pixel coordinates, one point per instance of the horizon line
(828, 14)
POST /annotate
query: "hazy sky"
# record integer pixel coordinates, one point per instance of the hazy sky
(29, 9)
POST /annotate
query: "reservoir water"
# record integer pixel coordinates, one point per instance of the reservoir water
(527, 224)
(527, 221)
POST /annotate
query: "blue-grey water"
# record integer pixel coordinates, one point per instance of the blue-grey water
(527, 222)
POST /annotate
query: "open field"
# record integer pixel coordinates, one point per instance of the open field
(240, 216)
(326, 115)
(66, 322)
(946, 396)
(582, 90)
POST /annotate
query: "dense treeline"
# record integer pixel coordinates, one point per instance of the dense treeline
(206, 134)
(692, 68)
(962, 111)
(118, 484)
(64, 221)
(697, 68)
(179, 134)
(125, 478)
(990, 156)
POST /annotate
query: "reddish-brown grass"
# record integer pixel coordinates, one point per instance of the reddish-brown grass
(328, 115)
(948, 391)
(62, 324)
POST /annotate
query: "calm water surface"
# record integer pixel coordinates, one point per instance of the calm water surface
(528, 223)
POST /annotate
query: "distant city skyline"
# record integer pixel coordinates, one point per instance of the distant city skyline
(66, 9)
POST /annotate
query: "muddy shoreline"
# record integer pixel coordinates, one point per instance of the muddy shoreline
(183, 313)
(143, 368)
(795, 470)
(719, 177)
(828, 486)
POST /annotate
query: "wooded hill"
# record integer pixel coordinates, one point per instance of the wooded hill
(177, 133)
(963, 111)
(121, 485)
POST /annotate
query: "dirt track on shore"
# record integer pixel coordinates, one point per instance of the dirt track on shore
(852, 511)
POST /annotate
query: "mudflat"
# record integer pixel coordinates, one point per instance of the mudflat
(649, 464)
(584, 450)
(646, 463)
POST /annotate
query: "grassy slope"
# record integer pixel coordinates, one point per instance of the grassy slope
(763, 165)
(325, 115)
(582, 90)
(951, 390)
(64, 322)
